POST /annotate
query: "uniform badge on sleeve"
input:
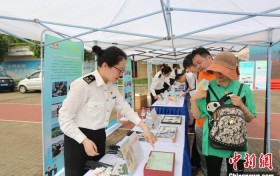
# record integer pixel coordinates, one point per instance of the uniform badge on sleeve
(88, 79)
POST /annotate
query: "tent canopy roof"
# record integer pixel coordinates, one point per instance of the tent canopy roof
(145, 28)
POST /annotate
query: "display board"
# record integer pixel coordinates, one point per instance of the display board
(62, 64)
(246, 70)
(261, 71)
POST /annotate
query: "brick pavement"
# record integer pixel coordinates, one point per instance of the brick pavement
(21, 149)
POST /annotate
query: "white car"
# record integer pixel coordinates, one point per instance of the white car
(31, 83)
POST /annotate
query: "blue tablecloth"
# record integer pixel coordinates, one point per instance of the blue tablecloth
(180, 111)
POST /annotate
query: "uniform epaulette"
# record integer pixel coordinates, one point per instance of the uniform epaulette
(159, 75)
(89, 79)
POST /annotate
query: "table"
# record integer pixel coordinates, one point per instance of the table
(179, 108)
(174, 108)
(177, 147)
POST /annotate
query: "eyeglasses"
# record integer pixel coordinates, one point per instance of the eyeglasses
(121, 71)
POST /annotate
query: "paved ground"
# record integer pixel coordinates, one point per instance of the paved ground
(21, 142)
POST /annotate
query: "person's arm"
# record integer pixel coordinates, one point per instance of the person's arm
(248, 115)
(194, 107)
(167, 80)
(124, 108)
(74, 101)
(71, 105)
(149, 137)
(155, 82)
(236, 100)
(191, 81)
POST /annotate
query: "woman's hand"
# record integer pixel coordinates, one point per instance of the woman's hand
(156, 97)
(90, 147)
(183, 94)
(236, 100)
(149, 137)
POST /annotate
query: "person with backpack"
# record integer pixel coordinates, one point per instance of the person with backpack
(228, 105)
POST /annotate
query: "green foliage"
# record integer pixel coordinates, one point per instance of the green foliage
(35, 49)
(17, 44)
(137, 81)
(88, 55)
(7, 41)
(4, 45)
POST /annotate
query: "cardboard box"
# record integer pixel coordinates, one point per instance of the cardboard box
(140, 101)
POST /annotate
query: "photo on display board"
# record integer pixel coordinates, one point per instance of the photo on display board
(57, 148)
(127, 72)
(56, 131)
(55, 110)
(59, 88)
(172, 119)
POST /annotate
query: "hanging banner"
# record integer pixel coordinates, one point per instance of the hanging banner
(150, 74)
(62, 64)
(246, 70)
(260, 70)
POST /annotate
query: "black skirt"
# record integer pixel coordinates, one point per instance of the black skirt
(75, 156)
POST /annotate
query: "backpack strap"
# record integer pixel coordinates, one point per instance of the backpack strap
(240, 88)
(208, 99)
(239, 92)
(211, 89)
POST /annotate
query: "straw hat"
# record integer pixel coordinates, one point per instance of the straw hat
(225, 62)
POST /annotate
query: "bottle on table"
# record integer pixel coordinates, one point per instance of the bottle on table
(143, 113)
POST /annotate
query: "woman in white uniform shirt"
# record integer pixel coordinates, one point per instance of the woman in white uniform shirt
(85, 112)
(158, 81)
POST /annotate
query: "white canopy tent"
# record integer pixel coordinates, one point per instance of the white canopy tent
(150, 30)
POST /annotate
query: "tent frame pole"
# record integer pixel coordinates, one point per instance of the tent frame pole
(225, 12)
(225, 42)
(229, 38)
(223, 24)
(166, 16)
(23, 39)
(268, 90)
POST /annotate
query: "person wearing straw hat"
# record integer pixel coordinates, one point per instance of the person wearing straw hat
(224, 68)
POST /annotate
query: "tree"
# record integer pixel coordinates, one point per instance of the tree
(4, 45)
(7, 41)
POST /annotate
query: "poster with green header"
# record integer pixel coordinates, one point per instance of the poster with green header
(62, 64)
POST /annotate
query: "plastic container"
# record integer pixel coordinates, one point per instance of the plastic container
(143, 113)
